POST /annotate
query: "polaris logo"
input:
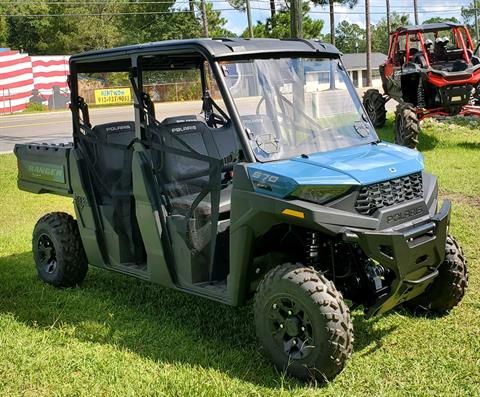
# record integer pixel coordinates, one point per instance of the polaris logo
(186, 128)
(392, 170)
(118, 128)
(403, 215)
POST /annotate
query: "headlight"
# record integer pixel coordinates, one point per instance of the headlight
(320, 194)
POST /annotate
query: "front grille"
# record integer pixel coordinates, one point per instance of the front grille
(388, 193)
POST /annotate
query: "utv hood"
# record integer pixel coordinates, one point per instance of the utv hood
(358, 165)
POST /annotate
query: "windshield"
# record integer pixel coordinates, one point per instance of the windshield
(291, 107)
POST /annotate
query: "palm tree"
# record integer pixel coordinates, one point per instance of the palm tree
(331, 6)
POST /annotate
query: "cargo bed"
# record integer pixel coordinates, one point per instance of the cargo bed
(44, 168)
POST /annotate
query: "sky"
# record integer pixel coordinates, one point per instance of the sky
(237, 21)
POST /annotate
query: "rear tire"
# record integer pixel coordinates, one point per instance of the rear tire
(448, 288)
(407, 126)
(303, 323)
(58, 251)
(374, 104)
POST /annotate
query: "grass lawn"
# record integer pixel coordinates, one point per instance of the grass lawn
(121, 337)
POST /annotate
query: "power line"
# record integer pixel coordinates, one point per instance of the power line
(141, 2)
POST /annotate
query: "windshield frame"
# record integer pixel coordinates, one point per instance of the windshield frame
(334, 58)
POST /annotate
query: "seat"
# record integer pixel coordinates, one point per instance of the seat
(185, 177)
(113, 165)
(182, 204)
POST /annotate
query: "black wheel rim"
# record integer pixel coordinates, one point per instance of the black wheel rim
(46, 254)
(290, 327)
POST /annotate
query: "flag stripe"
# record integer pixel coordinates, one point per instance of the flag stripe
(20, 74)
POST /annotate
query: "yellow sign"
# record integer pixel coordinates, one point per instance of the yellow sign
(112, 96)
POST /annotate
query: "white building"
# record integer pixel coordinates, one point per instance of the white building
(356, 65)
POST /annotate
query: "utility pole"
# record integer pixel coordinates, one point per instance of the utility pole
(415, 11)
(296, 19)
(249, 19)
(331, 6)
(387, 2)
(476, 21)
(368, 34)
(204, 18)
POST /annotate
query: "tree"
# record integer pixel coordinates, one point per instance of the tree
(28, 34)
(93, 26)
(380, 40)
(279, 26)
(441, 19)
(175, 25)
(350, 37)
(3, 32)
(331, 4)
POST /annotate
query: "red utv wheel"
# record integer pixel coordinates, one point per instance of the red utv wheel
(374, 104)
(407, 126)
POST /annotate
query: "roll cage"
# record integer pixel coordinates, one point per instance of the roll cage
(182, 54)
(399, 55)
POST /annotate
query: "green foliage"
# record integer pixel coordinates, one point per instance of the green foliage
(350, 37)
(380, 40)
(34, 107)
(3, 31)
(441, 19)
(56, 33)
(279, 26)
(468, 14)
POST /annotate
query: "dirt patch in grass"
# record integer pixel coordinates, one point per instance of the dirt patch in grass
(460, 198)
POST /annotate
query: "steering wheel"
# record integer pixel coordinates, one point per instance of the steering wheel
(298, 126)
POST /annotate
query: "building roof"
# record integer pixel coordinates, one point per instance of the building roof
(428, 27)
(359, 61)
(215, 48)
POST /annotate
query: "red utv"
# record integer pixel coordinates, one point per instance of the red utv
(431, 70)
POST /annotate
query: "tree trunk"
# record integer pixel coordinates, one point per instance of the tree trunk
(332, 21)
(387, 2)
(272, 9)
(191, 6)
(249, 19)
(296, 15)
(204, 18)
(415, 11)
(369, 43)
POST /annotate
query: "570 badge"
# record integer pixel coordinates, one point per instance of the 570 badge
(263, 177)
(262, 180)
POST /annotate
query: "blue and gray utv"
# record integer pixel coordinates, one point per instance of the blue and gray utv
(275, 188)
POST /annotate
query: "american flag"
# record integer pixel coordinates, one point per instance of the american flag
(21, 74)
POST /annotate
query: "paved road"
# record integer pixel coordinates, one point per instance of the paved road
(56, 127)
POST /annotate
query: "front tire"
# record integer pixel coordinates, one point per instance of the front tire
(58, 251)
(303, 323)
(374, 104)
(407, 126)
(448, 288)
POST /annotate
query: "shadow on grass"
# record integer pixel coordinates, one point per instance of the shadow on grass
(469, 145)
(426, 141)
(160, 324)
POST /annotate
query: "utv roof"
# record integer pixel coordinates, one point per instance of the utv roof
(216, 48)
(428, 27)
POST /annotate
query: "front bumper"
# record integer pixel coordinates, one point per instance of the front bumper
(413, 254)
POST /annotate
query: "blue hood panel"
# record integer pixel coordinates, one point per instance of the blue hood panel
(357, 165)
